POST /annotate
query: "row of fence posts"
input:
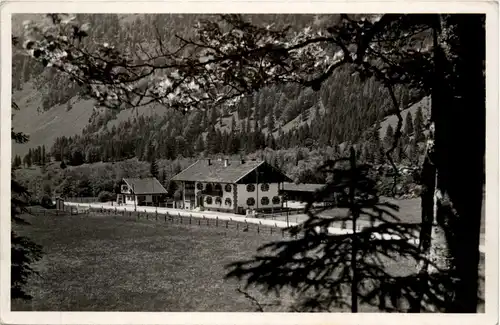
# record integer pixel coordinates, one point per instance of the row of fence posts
(201, 220)
(110, 212)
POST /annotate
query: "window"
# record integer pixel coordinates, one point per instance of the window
(250, 188)
(264, 200)
(276, 200)
(218, 200)
(264, 187)
(218, 187)
(250, 201)
(141, 198)
(208, 188)
(199, 186)
(208, 199)
(228, 188)
(228, 201)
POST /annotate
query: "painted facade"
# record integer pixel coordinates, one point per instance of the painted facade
(222, 199)
(259, 198)
(232, 186)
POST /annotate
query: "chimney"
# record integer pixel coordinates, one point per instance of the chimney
(242, 160)
(209, 161)
(226, 162)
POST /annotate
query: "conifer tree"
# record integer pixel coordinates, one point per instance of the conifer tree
(44, 156)
(153, 167)
(212, 140)
(200, 144)
(234, 127)
(213, 116)
(34, 157)
(375, 144)
(389, 136)
(399, 153)
(163, 177)
(235, 143)
(256, 119)
(418, 125)
(27, 159)
(409, 125)
(413, 151)
(14, 162)
(270, 142)
(23, 251)
(270, 121)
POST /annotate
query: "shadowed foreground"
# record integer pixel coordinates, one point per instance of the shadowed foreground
(94, 263)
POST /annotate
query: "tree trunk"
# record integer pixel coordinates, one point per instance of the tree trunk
(463, 170)
(433, 240)
(355, 215)
(451, 229)
(458, 113)
(428, 181)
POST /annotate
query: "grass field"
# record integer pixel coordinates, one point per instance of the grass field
(99, 263)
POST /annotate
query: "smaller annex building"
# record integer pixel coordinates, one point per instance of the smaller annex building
(300, 192)
(303, 192)
(142, 192)
(231, 185)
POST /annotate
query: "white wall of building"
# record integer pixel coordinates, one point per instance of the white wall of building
(144, 199)
(127, 193)
(243, 196)
(129, 199)
(222, 204)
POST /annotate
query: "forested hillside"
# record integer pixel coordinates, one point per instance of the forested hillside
(284, 117)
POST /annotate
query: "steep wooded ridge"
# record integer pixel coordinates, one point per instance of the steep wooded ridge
(280, 117)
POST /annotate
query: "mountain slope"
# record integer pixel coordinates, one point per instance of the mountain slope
(44, 127)
(352, 105)
(392, 120)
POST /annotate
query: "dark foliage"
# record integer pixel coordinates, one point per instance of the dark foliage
(24, 252)
(106, 196)
(325, 268)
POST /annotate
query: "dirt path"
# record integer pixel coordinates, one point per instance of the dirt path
(279, 221)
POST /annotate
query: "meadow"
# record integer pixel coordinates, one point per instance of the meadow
(105, 263)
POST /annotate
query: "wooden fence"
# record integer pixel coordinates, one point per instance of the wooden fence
(170, 218)
(82, 199)
(282, 213)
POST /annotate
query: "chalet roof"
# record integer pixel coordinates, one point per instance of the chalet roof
(148, 185)
(292, 187)
(216, 171)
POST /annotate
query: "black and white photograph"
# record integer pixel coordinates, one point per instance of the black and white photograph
(250, 162)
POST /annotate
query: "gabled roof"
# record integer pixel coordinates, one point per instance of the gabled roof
(148, 185)
(216, 171)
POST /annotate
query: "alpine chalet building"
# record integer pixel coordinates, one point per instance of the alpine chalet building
(231, 185)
